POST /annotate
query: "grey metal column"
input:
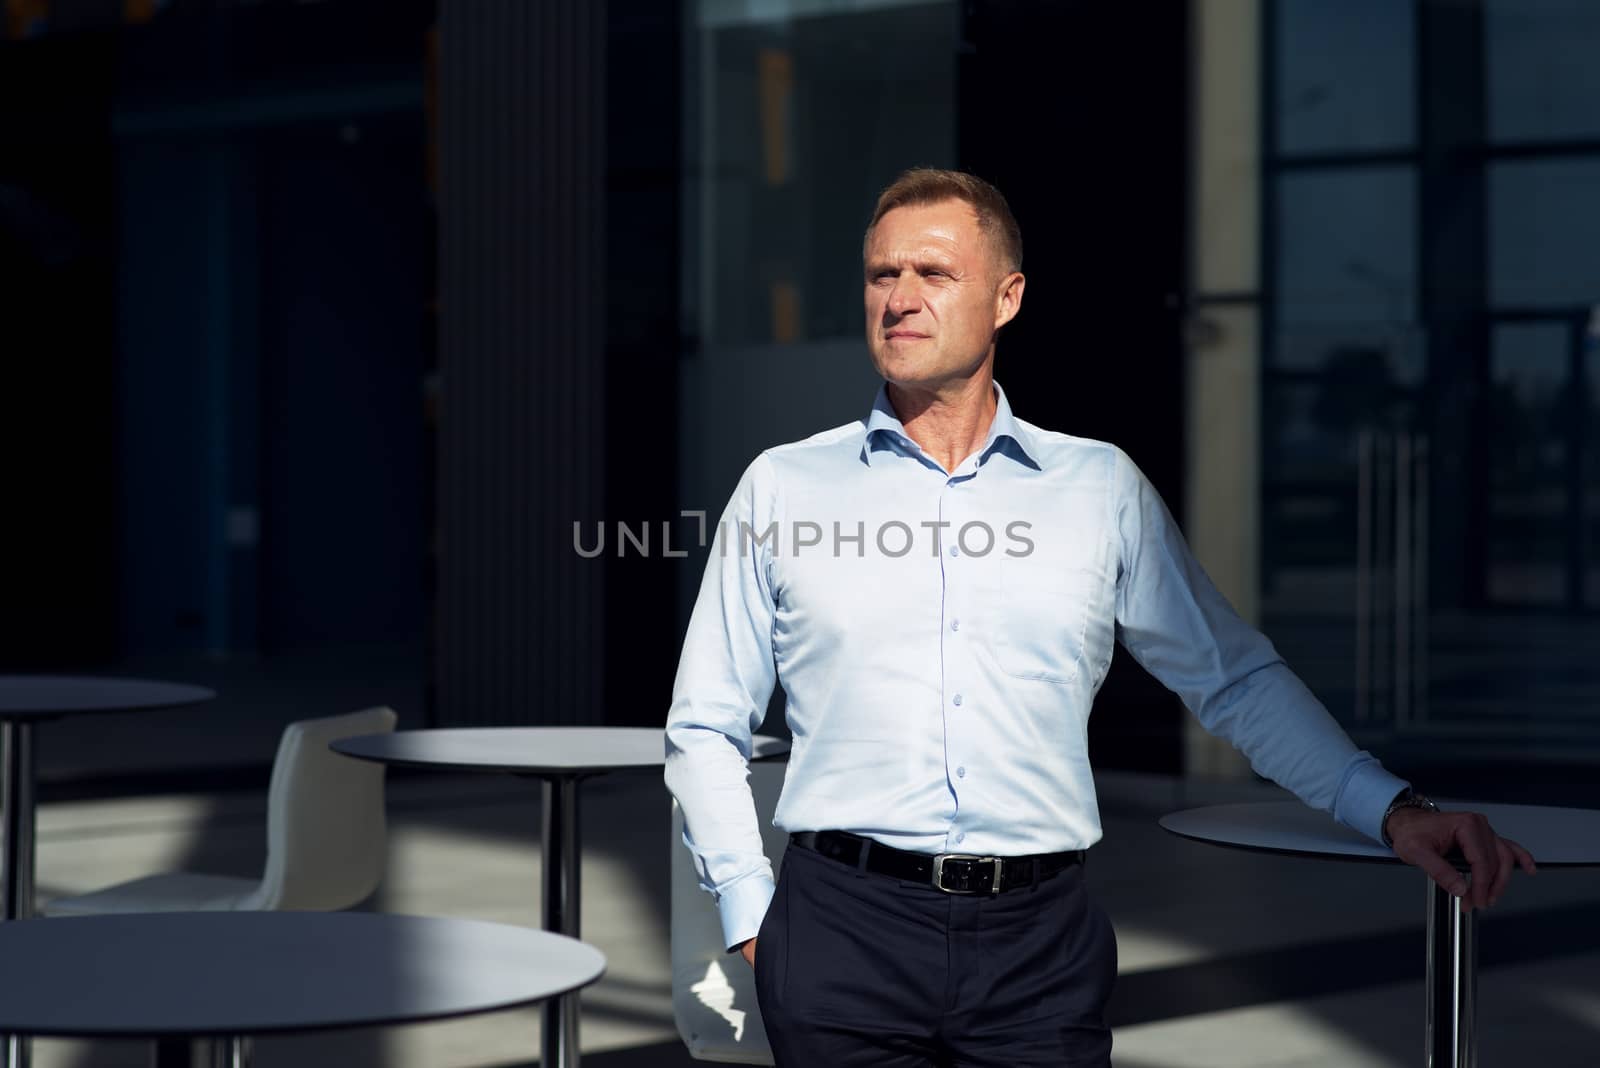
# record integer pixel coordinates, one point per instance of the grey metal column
(559, 1037)
(1452, 988)
(522, 431)
(16, 859)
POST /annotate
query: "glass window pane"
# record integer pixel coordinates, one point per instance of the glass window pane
(1344, 75)
(1544, 233)
(1529, 405)
(1544, 82)
(1308, 526)
(805, 113)
(1346, 247)
(1370, 359)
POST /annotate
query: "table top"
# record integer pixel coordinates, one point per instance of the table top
(27, 697)
(1557, 837)
(546, 751)
(252, 973)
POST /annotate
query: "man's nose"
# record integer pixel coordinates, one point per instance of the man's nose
(903, 298)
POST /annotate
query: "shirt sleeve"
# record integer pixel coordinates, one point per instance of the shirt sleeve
(1174, 622)
(725, 678)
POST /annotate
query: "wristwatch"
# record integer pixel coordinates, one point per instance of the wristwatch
(1407, 798)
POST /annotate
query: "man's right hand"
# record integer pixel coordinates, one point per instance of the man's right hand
(747, 950)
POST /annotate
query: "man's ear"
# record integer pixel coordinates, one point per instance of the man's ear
(1008, 301)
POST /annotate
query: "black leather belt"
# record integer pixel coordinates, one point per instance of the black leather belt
(954, 873)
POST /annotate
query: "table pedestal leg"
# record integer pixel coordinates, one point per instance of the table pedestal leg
(1452, 994)
(16, 780)
(559, 1038)
(16, 859)
(231, 1052)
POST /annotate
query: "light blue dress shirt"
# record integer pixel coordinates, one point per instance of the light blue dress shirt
(940, 637)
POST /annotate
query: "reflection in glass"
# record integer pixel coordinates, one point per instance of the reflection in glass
(1504, 494)
(806, 111)
(1345, 80)
(1542, 75)
(1544, 233)
(1530, 414)
(1383, 355)
(1346, 246)
(1332, 450)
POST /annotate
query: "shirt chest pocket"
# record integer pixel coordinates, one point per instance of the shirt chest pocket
(1044, 624)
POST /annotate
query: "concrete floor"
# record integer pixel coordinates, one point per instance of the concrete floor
(1227, 959)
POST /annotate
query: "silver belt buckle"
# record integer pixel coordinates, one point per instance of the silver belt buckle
(994, 873)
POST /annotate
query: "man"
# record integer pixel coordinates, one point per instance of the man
(938, 588)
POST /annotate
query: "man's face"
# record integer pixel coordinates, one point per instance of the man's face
(935, 294)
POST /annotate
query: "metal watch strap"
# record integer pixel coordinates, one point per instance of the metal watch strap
(1408, 798)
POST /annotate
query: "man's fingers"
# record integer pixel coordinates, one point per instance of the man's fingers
(1490, 858)
(1502, 877)
(1524, 858)
(1441, 871)
(1475, 838)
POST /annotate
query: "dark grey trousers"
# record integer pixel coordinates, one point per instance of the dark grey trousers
(854, 968)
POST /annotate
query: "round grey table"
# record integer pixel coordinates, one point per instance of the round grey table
(230, 975)
(560, 757)
(26, 700)
(1557, 838)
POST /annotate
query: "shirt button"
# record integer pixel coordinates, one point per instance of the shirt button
(954, 551)
(961, 773)
(955, 624)
(956, 700)
(962, 837)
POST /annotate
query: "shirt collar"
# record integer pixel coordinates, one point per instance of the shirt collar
(1006, 435)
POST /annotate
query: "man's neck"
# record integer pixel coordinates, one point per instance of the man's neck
(951, 423)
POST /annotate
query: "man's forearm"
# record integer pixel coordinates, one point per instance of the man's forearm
(708, 775)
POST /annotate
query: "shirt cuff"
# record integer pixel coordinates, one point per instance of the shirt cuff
(743, 906)
(1364, 798)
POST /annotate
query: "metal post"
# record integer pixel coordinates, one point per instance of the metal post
(559, 1038)
(1403, 560)
(1364, 463)
(16, 859)
(1383, 585)
(16, 879)
(1422, 561)
(231, 1052)
(1452, 988)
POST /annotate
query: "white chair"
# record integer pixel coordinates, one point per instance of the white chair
(714, 991)
(326, 836)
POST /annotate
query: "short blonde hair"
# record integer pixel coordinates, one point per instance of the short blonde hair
(930, 185)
